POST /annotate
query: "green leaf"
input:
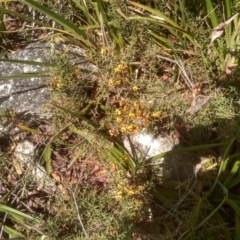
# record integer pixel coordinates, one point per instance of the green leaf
(223, 164)
(234, 206)
(47, 157)
(74, 114)
(38, 74)
(211, 13)
(162, 41)
(79, 152)
(213, 211)
(233, 182)
(121, 159)
(168, 22)
(104, 23)
(68, 26)
(184, 150)
(12, 232)
(25, 128)
(60, 20)
(197, 211)
(25, 17)
(14, 212)
(237, 228)
(224, 226)
(34, 63)
(232, 174)
(85, 9)
(163, 195)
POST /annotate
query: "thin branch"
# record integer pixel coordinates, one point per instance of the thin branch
(79, 217)
(181, 66)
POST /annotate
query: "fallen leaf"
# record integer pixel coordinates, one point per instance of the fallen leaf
(56, 176)
(17, 166)
(40, 186)
(218, 31)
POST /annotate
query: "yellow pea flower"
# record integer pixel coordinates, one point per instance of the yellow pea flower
(119, 119)
(132, 128)
(120, 68)
(156, 114)
(123, 129)
(110, 82)
(59, 85)
(118, 112)
(103, 51)
(131, 114)
(118, 82)
(135, 88)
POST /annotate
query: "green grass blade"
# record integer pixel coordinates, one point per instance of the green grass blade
(85, 9)
(67, 25)
(226, 153)
(47, 157)
(227, 7)
(234, 182)
(162, 41)
(223, 164)
(234, 197)
(34, 63)
(14, 212)
(28, 129)
(38, 74)
(225, 158)
(166, 19)
(167, 195)
(117, 38)
(113, 157)
(224, 226)
(184, 150)
(211, 13)
(228, 4)
(232, 173)
(23, 17)
(162, 198)
(237, 228)
(234, 206)
(2, 24)
(196, 212)
(74, 114)
(12, 232)
(82, 133)
(125, 154)
(122, 159)
(155, 12)
(79, 152)
(213, 211)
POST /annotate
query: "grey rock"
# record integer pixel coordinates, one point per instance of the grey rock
(24, 154)
(26, 96)
(177, 167)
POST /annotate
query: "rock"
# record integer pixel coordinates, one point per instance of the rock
(25, 154)
(25, 97)
(177, 167)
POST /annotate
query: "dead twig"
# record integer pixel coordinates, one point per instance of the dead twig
(194, 109)
(79, 217)
(181, 67)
